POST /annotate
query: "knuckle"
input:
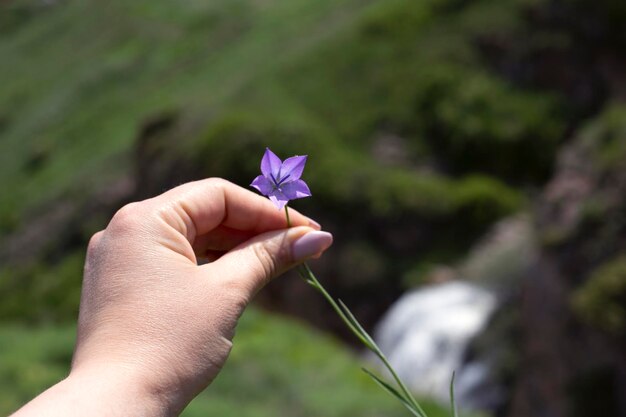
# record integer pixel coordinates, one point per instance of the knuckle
(267, 258)
(94, 242)
(94, 253)
(127, 217)
(219, 182)
(218, 185)
(222, 184)
(127, 211)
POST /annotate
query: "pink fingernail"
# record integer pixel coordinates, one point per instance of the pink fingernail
(311, 244)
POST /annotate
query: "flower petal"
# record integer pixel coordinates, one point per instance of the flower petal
(295, 189)
(278, 199)
(270, 164)
(293, 167)
(262, 184)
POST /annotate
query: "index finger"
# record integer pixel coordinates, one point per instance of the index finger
(198, 207)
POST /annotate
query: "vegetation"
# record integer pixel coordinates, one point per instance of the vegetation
(66, 137)
(425, 123)
(602, 299)
(277, 367)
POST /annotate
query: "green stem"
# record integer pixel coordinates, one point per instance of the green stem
(287, 215)
(361, 334)
(356, 328)
(306, 273)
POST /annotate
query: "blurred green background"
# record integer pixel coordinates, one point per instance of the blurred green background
(427, 123)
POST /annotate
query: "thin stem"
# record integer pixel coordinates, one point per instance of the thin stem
(287, 215)
(307, 274)
(360, 333)
(453, 408)
(356, 328)
(403, 387)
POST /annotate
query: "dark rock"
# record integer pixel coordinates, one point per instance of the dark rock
(565, 359)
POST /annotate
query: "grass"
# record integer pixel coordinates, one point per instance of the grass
(277, 367)
(74, 65)
(86, 75)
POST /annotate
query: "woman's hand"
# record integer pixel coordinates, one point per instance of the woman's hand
(155, 327)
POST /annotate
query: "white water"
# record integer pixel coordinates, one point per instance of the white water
(425, 335)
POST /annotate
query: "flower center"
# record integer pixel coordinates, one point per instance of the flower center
(278, 182)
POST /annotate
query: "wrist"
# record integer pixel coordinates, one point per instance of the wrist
(121, 391)
(101, 391)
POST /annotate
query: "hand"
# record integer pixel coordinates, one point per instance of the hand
(155, 327)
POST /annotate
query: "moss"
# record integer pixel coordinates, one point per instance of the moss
(394, 20)
(8, 222)
(42, 292)
(480, 124)
(18, 14)
(605, 137)
(483, 199)
(601, 301)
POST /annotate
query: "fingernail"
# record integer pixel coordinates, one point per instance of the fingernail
(315, 224)
(311, 244)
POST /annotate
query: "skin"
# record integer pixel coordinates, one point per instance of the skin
(155, 327)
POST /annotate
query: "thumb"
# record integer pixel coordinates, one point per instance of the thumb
(251, 265)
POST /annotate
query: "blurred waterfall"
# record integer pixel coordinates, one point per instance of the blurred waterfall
(425, 335)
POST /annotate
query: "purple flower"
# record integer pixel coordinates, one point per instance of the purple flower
(279, 180)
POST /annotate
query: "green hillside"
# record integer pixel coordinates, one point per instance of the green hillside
(83, 75)
(86, 75)
(425, 122)
(113, 102)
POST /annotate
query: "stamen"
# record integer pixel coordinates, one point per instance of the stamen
(284, 179)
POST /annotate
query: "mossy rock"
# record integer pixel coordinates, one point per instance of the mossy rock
(605, 138)
(478, 123)
(601, 301)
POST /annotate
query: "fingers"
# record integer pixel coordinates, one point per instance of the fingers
(196, 208)
(251, 265)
